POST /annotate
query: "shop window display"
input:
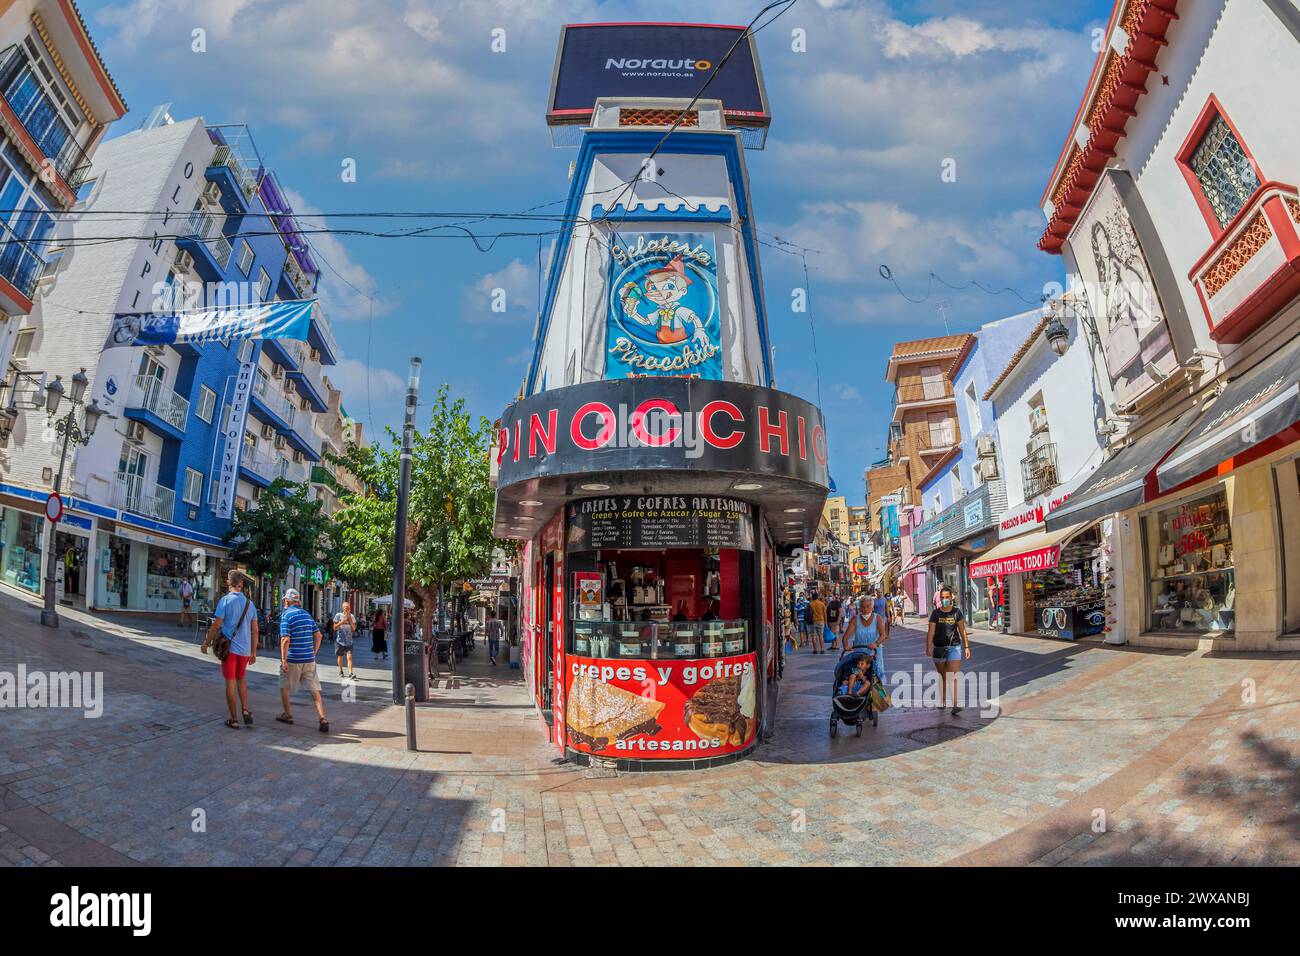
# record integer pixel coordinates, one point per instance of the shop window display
(1189, 557)
(20, 537)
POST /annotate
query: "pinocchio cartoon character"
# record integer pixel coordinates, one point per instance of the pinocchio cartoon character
(665, 287)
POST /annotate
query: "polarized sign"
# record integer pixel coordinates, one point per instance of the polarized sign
(655, 60)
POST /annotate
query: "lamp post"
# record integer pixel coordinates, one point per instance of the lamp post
(397, 626)
(71, 432)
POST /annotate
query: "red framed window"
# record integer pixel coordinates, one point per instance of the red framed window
(1218, 167)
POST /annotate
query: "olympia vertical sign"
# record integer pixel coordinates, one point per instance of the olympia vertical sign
(233, 432)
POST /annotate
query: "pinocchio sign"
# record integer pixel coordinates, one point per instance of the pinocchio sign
(662, 423)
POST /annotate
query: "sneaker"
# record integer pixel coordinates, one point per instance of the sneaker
(955, 711)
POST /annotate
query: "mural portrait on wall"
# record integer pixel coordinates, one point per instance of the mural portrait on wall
(1117, 281)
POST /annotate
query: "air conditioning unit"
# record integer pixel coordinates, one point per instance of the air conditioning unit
(1038, 418)
(305, 405)
(212, 193)
(184, 261)
(277, 371)
(984, 447)
(986, 468)
(279, 441)
(315, 355)
(268, 431)
(135, 432)
(297, 458)
(1037, 442)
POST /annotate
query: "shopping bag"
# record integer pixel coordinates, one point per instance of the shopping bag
(880, 700)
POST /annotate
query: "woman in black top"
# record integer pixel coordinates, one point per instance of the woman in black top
(946, 641)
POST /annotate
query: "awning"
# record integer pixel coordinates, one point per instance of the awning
(1254, 407)
(916, 561)
(1119, 483)
(1036, 551)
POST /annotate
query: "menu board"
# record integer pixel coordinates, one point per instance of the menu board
(660, 521)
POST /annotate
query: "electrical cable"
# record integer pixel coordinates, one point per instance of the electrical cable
(887, 274)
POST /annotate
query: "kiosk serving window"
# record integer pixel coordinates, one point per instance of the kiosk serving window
(1189, 561)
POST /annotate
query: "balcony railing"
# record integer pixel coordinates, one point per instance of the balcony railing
(20, 266)
(1038, 471)
(923, 392)
(132, 493)
(932, 439)
(228, 157)
(40, 117)
(152, 395)
(279, 405)
(269, 467)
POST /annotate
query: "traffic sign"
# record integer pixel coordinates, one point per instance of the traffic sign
(54, 507)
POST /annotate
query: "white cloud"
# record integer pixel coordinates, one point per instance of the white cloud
(508, 294)
(377, 390)
(958, 37)
(846, 393)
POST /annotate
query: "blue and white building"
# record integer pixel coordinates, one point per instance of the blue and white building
(146, 494)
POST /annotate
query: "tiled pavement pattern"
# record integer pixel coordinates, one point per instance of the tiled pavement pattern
(1161, 743)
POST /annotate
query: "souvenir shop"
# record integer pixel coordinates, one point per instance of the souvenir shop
(22, 536)
(138, 571)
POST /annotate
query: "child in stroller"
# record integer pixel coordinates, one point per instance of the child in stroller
(850, 694)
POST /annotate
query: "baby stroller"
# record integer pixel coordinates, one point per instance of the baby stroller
(854, 711)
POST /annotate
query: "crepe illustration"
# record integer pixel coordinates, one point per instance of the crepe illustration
(714, 712)
(599, 713)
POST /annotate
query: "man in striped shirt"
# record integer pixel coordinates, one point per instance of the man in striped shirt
(299, 644)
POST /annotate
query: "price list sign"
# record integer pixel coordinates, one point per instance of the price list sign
(660, 521)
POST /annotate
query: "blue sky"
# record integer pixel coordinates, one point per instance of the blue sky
(864, 121)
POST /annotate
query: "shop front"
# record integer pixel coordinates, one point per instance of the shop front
(72, 566)
(22, 543)
(651, 592)
(139, 571)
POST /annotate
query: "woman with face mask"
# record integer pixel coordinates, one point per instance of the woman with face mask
(947, 643)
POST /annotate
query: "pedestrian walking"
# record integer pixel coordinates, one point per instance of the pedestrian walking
(233, 638)
(834, 609)
(493, 636)
(947, 642)
(345, 626)
(187, 598)
(900, 606)
(864, 629)
(300, 641)
(817, 621)
(801, 612)
(378, 632)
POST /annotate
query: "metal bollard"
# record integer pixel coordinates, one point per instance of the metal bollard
(410, 717)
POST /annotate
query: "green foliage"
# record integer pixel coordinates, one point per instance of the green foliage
(286, 525)
(450, 509)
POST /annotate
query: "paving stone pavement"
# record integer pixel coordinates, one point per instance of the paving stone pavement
(1077, 754)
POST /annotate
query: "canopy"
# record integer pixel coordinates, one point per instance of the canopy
(1254, 407)
(1120, 482)
(387, 601)
(1036, 551)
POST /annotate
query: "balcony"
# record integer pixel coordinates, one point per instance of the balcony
(1038, 471)
(1252, 271)
(236, 166)
(201, 236)
(260, 468)
(39, 123)
(159, 408)
(303, 285)
(132, 493)
(309, 380)
(932, 441)
(21, 269)
(921, 395)
(270, 406)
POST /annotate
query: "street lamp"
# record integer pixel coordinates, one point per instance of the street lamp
(71, 432)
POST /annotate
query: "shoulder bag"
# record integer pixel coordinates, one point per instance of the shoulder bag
(221, 644)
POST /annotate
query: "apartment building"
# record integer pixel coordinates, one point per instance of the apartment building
(152, 493)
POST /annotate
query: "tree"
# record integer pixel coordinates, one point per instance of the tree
(285, 526)
(449, 528)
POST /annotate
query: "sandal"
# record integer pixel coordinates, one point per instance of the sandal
(248, 717)
(324, 726)
(232, 724)
(284, 719)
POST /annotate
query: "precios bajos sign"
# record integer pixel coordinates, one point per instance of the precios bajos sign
(662, 423)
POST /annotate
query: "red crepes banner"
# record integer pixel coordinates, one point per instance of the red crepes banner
(666, 709)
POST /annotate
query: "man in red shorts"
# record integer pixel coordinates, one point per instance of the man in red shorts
(236, 619)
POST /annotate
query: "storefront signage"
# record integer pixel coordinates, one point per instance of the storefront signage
(232, 432)
(666, 709)
(1030, 517)
(1072, 621)
(974, 514)
(662, 314)
(1038, 560)
(639, 424)
(660, 521)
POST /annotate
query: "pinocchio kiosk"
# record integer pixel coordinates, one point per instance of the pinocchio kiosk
(650, 469)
